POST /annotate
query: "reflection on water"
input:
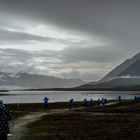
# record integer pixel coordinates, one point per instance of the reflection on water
(62, 96)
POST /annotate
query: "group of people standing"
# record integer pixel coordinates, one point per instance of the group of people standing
(102, 101)
(87, 103)
(137, 98)
(70, 103)
(90, 103)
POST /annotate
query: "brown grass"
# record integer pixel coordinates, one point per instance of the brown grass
(116, 122)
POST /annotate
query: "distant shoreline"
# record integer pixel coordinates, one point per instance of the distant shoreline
(4, 90)
(85, 89)
(123, 88)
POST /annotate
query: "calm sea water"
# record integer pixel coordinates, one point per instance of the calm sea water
(63, 96)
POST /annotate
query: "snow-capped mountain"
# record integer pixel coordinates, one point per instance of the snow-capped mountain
(129, 68)
(125, 75)
(26, 80)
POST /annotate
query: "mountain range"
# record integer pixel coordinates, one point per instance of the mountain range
(26, 80)
(125, 75)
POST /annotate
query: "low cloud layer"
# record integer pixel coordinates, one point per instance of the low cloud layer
(52, 63)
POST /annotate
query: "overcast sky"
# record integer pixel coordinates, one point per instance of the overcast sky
(68, 38)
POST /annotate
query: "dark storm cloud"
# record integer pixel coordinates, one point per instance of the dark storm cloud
(97, 15)
(115, 22)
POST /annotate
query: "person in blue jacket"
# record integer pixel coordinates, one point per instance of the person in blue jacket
(105, 101)
(91, 102)
(120, 98)
(70, 104)
(46, 103)
(135, 98)
(85, 102)
(138, 98)
(98, 101)
(5, 116)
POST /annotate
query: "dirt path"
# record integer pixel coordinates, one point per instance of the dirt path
(19, 126)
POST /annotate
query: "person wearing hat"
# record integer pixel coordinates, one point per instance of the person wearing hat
(5, 116)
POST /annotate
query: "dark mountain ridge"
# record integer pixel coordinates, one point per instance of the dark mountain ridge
(122, 68)
(125, 75)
